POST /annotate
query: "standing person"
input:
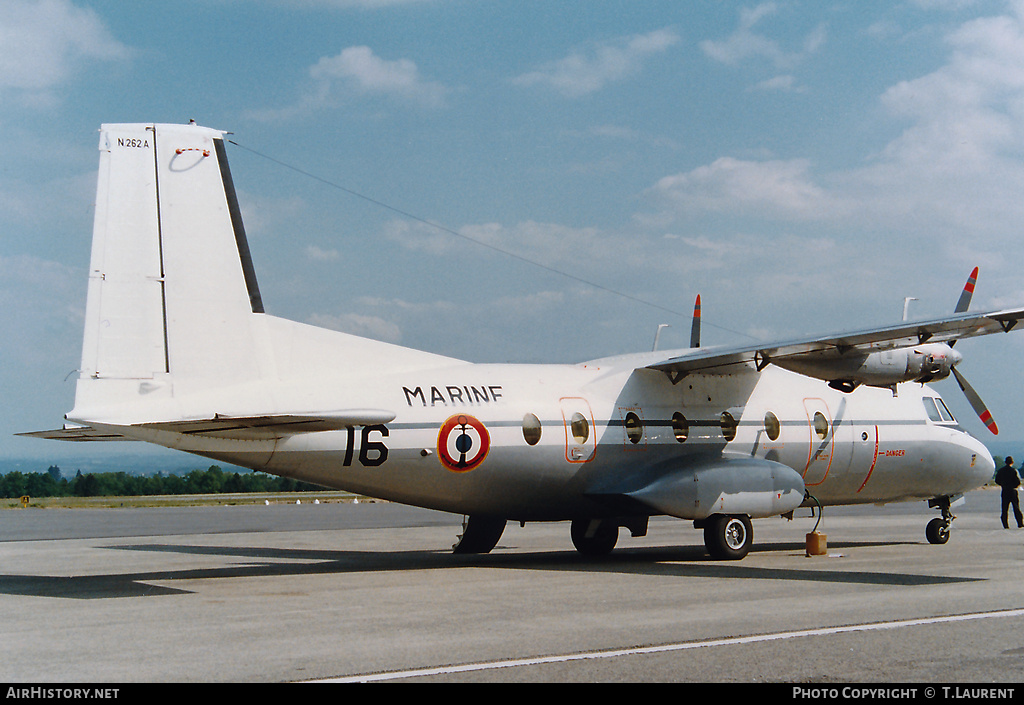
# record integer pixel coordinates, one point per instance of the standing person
(1009, 480)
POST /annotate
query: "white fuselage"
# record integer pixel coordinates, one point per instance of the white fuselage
(861, 447)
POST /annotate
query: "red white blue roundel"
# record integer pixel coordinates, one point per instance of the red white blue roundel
(462, 443)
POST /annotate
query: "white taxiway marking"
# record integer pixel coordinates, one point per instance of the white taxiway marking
(664, 648)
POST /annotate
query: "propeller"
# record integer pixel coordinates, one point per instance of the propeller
(972, 396)
(695, 327)
(967, 293)
(976, 403)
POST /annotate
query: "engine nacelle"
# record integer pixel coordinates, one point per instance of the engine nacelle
(921, 363)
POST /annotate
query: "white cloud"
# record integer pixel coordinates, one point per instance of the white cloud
(44, 44)
(358, 69)
(775, 189)
(954, 171)
(785, 83)
(745, 44)
(319, 254)
(357, 72)
(958, 164)
(353, 4)
(580, 74)
(357, 324)
(949, 5)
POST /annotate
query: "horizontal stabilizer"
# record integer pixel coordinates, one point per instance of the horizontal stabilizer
(260, 427)
(273, 425)
(76, 433)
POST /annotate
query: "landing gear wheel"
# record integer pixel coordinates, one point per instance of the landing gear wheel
(480, 534)
(728, 538)
(594, 537)
(937, 531)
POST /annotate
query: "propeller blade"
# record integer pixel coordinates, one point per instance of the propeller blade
(976, 403)
(965, 297)
(695, 327)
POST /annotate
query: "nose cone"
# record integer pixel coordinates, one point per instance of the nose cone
(980, 465)
(955, 356)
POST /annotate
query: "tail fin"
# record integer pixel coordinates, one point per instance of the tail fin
(174, 315)
(171, 285)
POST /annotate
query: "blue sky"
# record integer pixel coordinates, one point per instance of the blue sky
(802, 165)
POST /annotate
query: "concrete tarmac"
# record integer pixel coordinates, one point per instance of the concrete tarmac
(338, 592)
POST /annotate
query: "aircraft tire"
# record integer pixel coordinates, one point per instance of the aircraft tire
(592, 540)
(480, 534)
(728, 538)
(937, 531)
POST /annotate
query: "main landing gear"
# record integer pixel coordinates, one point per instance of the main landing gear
(727, 537)
(597, 537)
(480, 533)
(594, 537)
(937, 530)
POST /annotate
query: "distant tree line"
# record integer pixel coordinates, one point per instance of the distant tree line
(121, 484)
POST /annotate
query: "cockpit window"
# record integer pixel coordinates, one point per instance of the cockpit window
(937, 410)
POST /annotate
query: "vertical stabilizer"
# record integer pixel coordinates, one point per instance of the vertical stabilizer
(172, 296)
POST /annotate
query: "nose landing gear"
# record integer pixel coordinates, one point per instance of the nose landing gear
(937, 530)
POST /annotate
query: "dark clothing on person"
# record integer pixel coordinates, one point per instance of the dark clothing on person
(1009, 480)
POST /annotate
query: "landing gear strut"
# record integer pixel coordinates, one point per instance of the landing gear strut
(937, 530)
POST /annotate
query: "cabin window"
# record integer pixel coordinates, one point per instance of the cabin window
(634, 428)
(580, 428)
(772, 426)
(531, 429)
(680, 427)
(820, 425)
(729, 425)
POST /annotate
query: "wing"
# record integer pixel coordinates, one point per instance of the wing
(843, 345)
(234, 427)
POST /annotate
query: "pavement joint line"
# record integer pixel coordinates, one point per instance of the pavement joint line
(665, 648)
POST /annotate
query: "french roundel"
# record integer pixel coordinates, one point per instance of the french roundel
(462, 443)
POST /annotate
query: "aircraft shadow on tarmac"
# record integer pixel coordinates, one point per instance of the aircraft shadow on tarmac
(682, 562)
